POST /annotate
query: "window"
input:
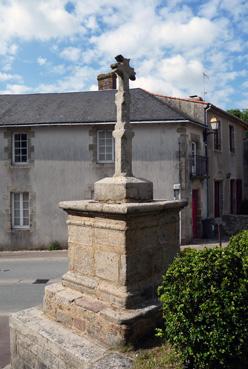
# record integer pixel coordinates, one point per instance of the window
(218, 198)
(235, 195)
(231, 138)
(193, 155)
(217, 138)
(105, 146)
(238, 194)
(20, 209)
(20, 148)
(232, 196)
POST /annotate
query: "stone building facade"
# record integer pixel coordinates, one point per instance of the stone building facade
(53, 147)
(225, 184)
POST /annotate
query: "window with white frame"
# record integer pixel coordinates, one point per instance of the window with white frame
(105, 146)
(20, 210)
(20, 148)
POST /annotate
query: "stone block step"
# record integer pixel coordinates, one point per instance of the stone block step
(38, 342)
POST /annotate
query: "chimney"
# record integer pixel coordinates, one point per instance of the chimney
(106, 81)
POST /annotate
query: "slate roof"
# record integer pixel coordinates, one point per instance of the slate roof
(81, 107)
(205, 104)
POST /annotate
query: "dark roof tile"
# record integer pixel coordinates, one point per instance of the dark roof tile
(81, 107)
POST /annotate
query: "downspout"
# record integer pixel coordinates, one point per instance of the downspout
(206, 150)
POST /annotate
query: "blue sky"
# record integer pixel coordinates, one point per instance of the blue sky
(60, 45)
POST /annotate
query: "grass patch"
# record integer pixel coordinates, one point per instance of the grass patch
(161, 356)
(54, 245)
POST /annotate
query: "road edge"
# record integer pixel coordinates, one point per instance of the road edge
(33, 254)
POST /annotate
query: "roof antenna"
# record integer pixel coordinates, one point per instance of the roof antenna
(204, 77)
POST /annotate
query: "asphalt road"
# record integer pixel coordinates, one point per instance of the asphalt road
(23, 277)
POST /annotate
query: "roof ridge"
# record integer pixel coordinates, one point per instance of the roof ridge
(183, 99)
(203, 103)
(155, 96)
(55, 93)
(65, 92)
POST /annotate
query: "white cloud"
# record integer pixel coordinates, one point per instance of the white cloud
(245, 84)
(42, 20)
(76, 79)
(58, 69)
(91, 23)
(171, 76)
(7, 77)
(93, 87)
(7, 67)
(41, 60)
(147, 33)
(71, 53)
(235, 8)
(210, 8)
(16, 89)
(35, 20)
(170, 43)
(197, 32)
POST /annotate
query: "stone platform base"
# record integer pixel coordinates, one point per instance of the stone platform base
(40, 343)
(89, 316)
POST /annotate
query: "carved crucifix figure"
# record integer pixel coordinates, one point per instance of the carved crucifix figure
(122, 133)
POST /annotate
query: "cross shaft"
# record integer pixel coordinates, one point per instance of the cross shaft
(123, 133)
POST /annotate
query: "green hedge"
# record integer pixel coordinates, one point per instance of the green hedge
(205, 297)
(239, 243)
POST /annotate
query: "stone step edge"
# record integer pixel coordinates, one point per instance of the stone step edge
(97, 356)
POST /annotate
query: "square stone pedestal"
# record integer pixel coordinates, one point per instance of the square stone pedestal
(117, 255)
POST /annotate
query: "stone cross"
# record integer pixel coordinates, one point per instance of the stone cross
(123, 186)
(122, 133)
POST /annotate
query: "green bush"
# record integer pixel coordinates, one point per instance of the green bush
(204, 295)
(54, 245)
(239, 243)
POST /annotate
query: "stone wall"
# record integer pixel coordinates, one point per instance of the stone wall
(225, 165)
(189, 107)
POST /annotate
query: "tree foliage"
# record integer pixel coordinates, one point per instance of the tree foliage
(204, 296)
(241, 114)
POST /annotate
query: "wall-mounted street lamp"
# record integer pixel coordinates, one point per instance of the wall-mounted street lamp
(215, 124)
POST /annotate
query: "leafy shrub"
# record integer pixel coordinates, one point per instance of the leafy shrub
(239, 243)
(54, 245)
(204, 296)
